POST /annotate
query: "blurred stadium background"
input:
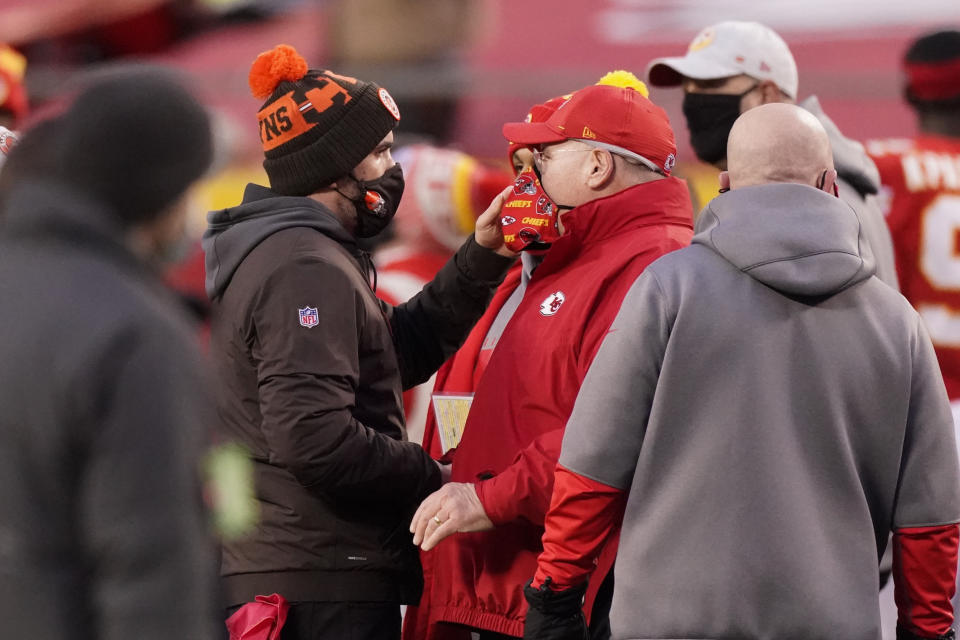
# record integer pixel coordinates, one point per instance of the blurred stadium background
(459, 69)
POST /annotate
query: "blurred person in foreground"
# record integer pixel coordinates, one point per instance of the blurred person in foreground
(922, 183)
(35, 156)
(604, 159)
(732, 67)
(756, 503)
(105, 413)
(446, 191)
(312, 365)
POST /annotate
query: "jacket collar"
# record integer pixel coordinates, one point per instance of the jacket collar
(234, 232)
(665, 201)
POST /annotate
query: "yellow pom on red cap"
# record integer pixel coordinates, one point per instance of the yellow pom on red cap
(273, 67)
(625, 79)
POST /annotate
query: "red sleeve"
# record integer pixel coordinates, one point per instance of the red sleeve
(523, 489)
(925, 578)
(583, 514)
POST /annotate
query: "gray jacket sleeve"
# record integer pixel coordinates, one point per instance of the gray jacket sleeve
(431, 326)
(141, 524)
(609, 420)
(928, 491)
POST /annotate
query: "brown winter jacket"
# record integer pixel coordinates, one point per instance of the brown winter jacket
(311, 369)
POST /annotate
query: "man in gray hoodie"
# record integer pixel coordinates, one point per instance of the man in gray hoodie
(762, 413)
(733, 66)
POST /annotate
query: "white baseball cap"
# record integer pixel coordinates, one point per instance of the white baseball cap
(729, 49)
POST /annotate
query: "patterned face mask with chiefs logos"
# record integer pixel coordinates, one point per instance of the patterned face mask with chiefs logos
(528, 217)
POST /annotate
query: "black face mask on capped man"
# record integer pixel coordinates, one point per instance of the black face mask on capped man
(710, 116)
(378, 201)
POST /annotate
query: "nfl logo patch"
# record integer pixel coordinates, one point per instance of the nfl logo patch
(309, 317)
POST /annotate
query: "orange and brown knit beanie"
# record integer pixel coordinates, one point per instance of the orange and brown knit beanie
(315, 125)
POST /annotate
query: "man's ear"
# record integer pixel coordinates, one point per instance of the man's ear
(830, 182)
(770, 92)
(341, 185)
(600, 168)
(724, 179)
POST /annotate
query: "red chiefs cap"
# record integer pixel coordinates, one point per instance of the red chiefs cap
(538, 113)
(619, 119)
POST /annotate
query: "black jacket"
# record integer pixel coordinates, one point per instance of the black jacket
(102, 534)
(311, 368)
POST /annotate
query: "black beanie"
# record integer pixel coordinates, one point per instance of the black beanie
(315, 125)
(135, 142)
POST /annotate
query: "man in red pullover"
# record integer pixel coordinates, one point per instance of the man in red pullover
(604, 158)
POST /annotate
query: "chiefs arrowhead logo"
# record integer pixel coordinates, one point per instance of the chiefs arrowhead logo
(552, 304)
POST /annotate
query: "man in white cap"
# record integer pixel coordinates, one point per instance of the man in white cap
(733, 66)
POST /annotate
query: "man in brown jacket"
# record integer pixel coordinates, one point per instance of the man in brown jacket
(312, 365)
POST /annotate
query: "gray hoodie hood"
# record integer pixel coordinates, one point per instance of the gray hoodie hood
(791, 237)
(850, 159)
(233, 233)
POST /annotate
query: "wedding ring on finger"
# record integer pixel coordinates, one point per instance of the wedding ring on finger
(437, 519)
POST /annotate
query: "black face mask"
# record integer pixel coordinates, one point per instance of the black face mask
(710, 116)
(378, 201)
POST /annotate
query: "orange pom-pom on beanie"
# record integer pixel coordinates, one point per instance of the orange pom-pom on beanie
(274, 66)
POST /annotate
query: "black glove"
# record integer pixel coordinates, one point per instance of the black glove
(903, 634)
(554, 615)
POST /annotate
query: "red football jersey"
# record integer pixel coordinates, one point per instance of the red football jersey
(401, 273)
(921, 181)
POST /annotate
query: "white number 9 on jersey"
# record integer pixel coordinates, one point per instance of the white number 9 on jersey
(940, 264)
